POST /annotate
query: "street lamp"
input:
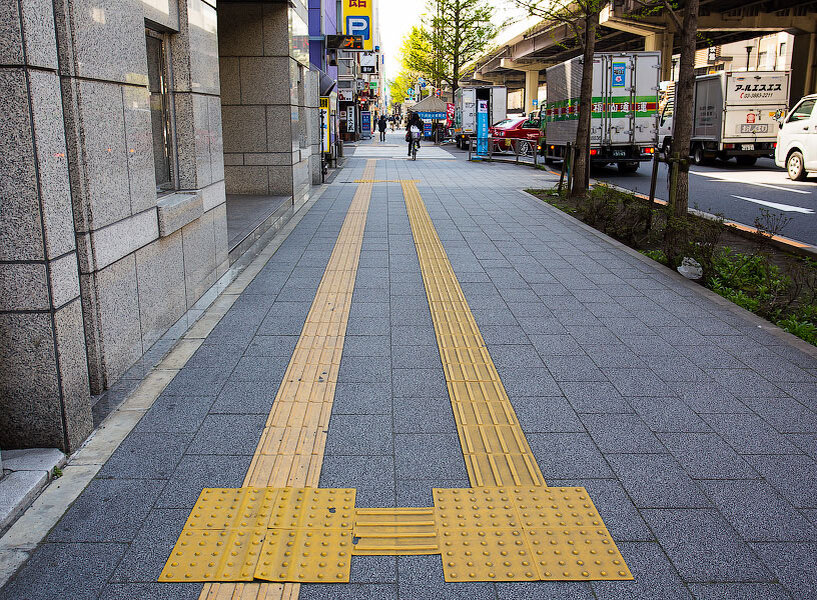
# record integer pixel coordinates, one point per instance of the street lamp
(748, 54)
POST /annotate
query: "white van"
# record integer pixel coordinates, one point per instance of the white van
(797, 140)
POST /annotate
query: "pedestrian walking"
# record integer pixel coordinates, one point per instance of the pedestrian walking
(381, 126)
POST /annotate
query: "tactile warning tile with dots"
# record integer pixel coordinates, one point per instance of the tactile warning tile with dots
(305, 555)
(313, 508)
(524, 533)
(210, 555)
(232, 508)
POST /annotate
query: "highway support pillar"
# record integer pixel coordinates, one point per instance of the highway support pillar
(531, 89)
(662, 41)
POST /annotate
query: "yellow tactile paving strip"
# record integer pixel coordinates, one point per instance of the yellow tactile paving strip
(280, 528)
(494, 445)
(290, 452)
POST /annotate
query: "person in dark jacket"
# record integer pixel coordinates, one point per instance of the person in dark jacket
(417, 122)
(381, 127)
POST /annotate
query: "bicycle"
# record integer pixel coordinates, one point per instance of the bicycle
(415, 145)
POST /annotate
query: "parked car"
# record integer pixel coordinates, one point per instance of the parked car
(797, 140)
(522, 128)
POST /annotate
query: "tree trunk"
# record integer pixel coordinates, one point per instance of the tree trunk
(581, 165)
(682, 133)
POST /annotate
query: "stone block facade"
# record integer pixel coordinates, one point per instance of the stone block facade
(97, 258)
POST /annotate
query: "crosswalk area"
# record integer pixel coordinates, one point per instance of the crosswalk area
(399, 152)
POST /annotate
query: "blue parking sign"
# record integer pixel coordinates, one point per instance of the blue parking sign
(357, 25)
(619, 74)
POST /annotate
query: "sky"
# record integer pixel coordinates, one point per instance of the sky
(398, 16)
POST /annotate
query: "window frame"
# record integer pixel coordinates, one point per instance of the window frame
(168, 123)
(810, 116)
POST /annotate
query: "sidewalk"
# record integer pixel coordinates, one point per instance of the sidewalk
(692, 425)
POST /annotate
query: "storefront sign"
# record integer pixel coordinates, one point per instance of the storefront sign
(368, 62)
(350, 120)
(482, 127)
(358, 19)
(327, 145)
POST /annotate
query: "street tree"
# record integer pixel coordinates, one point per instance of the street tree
(399, 86)
(582, 18)
(452, 34)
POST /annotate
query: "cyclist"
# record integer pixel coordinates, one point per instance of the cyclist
(414, 130)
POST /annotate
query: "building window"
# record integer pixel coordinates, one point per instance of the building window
(159, 113)
(782, 51)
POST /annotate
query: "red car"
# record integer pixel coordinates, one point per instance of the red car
(522, 128)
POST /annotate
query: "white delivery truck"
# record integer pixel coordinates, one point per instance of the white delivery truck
(734, 114)
(465, 109)
(623, 126)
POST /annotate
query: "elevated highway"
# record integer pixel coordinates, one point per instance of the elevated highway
(626, 25)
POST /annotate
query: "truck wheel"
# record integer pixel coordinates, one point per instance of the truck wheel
(627, 167)
(459, 144)
(795, 167)
(746, 161)
(698, 156)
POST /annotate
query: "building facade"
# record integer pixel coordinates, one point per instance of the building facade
(132, 130)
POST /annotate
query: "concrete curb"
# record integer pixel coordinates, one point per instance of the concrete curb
(761, 323)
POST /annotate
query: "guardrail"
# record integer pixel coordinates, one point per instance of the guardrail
(518, 147)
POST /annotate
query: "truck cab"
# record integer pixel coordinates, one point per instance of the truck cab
(796, 149)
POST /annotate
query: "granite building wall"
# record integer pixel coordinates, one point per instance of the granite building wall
(95, 264)
(269, 100)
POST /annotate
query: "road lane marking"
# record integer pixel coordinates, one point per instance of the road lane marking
(721, 178)
(776, 205)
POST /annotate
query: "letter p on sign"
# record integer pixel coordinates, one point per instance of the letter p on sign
(358, 25)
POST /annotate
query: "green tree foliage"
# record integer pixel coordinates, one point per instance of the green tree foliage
(399, 86)
(452, 34)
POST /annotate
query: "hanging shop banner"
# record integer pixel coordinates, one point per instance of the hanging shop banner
(327, 144)
(482, 127)
(450, 113)
(425, 115)
(358, 19)
(368, 62)
(350, 119)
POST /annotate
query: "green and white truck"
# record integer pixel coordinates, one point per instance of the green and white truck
(624, 121)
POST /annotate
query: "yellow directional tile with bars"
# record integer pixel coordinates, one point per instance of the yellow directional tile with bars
(280, 528)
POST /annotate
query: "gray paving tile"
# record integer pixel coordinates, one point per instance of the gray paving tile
(246, 397)
(373, 569)
(656, 481)
(667, 414)
(428, 456)
(621, 433)
(739, 591)
(272, 345)
(744, 383)
(704, 548)
(564, 590)
(654, 575)
(806, 442)
(260, 368)
(529, 382)
(546, 414)
(359, 369)
(368, 326)
(594, 397)
(794, 476)
(542, 326)
(282, 325)
(233, 435)
(419, 383)
(423, 415)
(618, 356)
(786, 415)
(146, 455)
(749, 434)
(171, 414)
(367, 345)
(197, 382)
(359, 435)
(151, 591)
(210, 356)
(574, 368)
(362, 399)
(451, 591)
(556, 345)
(757, 512)
(708, 397)
(638, 382)
(76, 571)
(412, 336)
(568, 456)
(109, 510)
(706, 456)
(348, 591)
(366, 310)
(793, 564)
(146, 556)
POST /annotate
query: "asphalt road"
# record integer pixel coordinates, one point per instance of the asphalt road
(738, 193)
